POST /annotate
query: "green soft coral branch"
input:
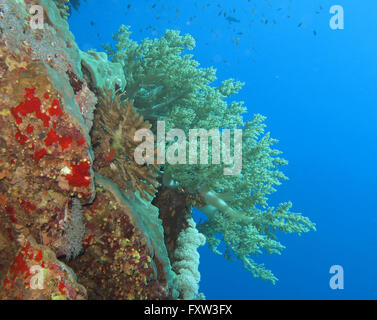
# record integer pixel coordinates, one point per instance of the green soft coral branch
(167, 84)
(215, 202)
(248, 241)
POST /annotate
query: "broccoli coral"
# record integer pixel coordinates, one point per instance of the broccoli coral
(166, 84)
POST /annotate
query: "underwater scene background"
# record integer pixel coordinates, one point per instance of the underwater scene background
(87, 213)
(317, 88)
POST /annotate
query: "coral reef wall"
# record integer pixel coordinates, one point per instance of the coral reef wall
(52, 213)
(79, 217)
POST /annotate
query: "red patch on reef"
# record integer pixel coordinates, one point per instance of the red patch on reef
(110, 156)
(80, 142)
(39, 154)
(29, 129)
(62, 287)
(80, 176)
(19, 266)
(21, 138)
(51, 138)
(88, 242)
(55, 109)
(65, 142)
(27, 206)
(29, 93)
(38, 256)
(12, 214)
(30, 105)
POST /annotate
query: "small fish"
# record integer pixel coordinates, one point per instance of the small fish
(232, 19)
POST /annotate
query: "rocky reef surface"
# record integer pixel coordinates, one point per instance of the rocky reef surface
(65, 234)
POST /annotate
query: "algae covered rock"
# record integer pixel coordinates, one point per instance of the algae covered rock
(48, 93)
(36, 274)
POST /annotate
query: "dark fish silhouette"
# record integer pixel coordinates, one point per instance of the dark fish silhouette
(232, 19)
(75, 4)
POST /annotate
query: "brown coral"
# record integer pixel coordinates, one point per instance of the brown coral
(173, 206)
(115, 124)
(117, 264)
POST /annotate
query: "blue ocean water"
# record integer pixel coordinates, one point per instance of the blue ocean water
(317, 86)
